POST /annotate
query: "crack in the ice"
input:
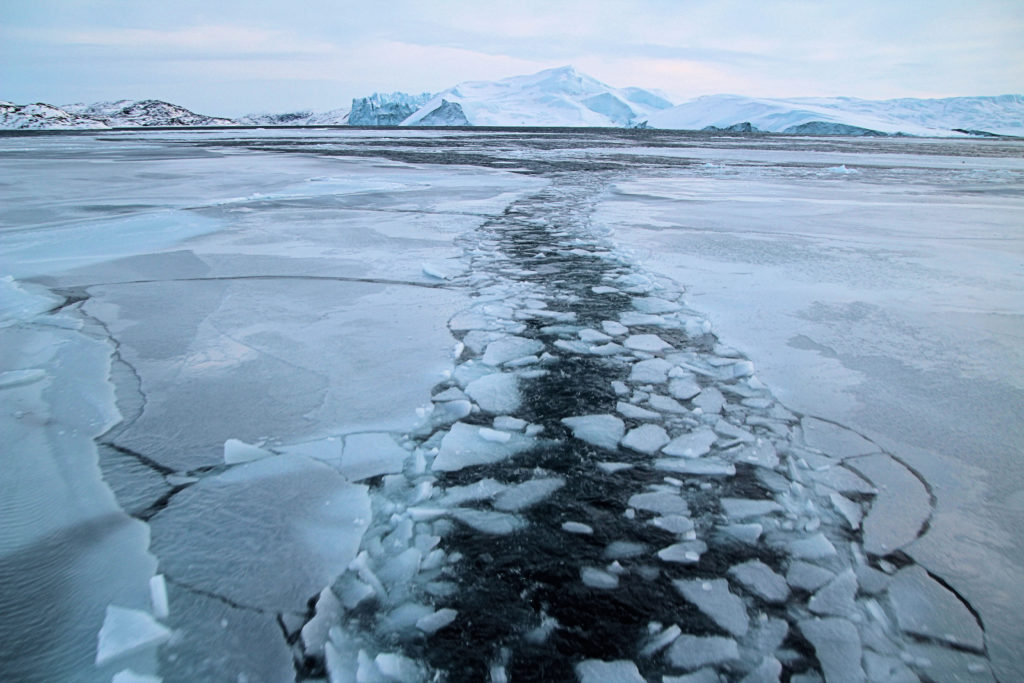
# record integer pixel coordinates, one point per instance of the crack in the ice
(222, 598)
(314, 278)
(932, 497)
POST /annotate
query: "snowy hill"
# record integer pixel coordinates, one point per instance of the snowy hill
(129, 113)
(119, 113)
(41, 116)
(334, 117)
(1001, 115)
(554, 97)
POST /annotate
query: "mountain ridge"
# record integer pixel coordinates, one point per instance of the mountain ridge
(565, 97)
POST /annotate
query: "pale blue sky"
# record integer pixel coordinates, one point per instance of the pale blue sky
(229, 57)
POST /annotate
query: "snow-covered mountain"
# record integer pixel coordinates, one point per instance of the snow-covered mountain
(129, 113)
(120, 113)
(41, 116)
(554, 97)
(334, 117)
(1001, 115)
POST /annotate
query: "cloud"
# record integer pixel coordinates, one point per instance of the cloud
(207, 40)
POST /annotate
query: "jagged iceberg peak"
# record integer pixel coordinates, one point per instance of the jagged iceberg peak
(385, 109)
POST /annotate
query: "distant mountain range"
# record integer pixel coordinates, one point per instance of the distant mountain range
(564, 97)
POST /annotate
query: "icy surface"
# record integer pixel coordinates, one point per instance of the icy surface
(760, 579)
(328, 347)
(600, 430)
(837, 644)
(125, 631)
(646, 438)
(693, 652)
(305, 518)
(713, 598)
(370, 455)
(925, 608)
(495, 393)
(463, 446)
(597, 671)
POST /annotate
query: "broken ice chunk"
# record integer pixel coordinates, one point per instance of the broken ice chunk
(483, 488)
(742, 508)
(761, 580)
(900, 509)
(674, 524)
(158, 596)
(432, 623)
(509, 423)
(768, 671)
(683, 389)
(495, 393)
(395, 667)
(510, 348)
(463, 447)
(651, 343)
(713, 598)
(442, 271)
(236, 452)
(761, 453)
(371, 454)
(660, 502)
(528, 493)
(807, 576)
(744, 533)
(705, 675)
(306, 519)
(662, 640)
(125, 631)
(577, 528)
(692, 445)
(666, 404)
(710, 401)
(597, 671)
(129, 676)
(653, 304)
(636, 318)
(488, 522)
(616, 329)
(598, 578)
(688, 552)
(650, 371)
(837, 645)
(593, 336)
(494, 435)
(692, 652)
(926, 608)
(315, 631)
(836, 598)
(812, 548)
(850, 511)
(636, 412)
(733, 432)
(604, 431)
(710, 467)
(646, 439)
